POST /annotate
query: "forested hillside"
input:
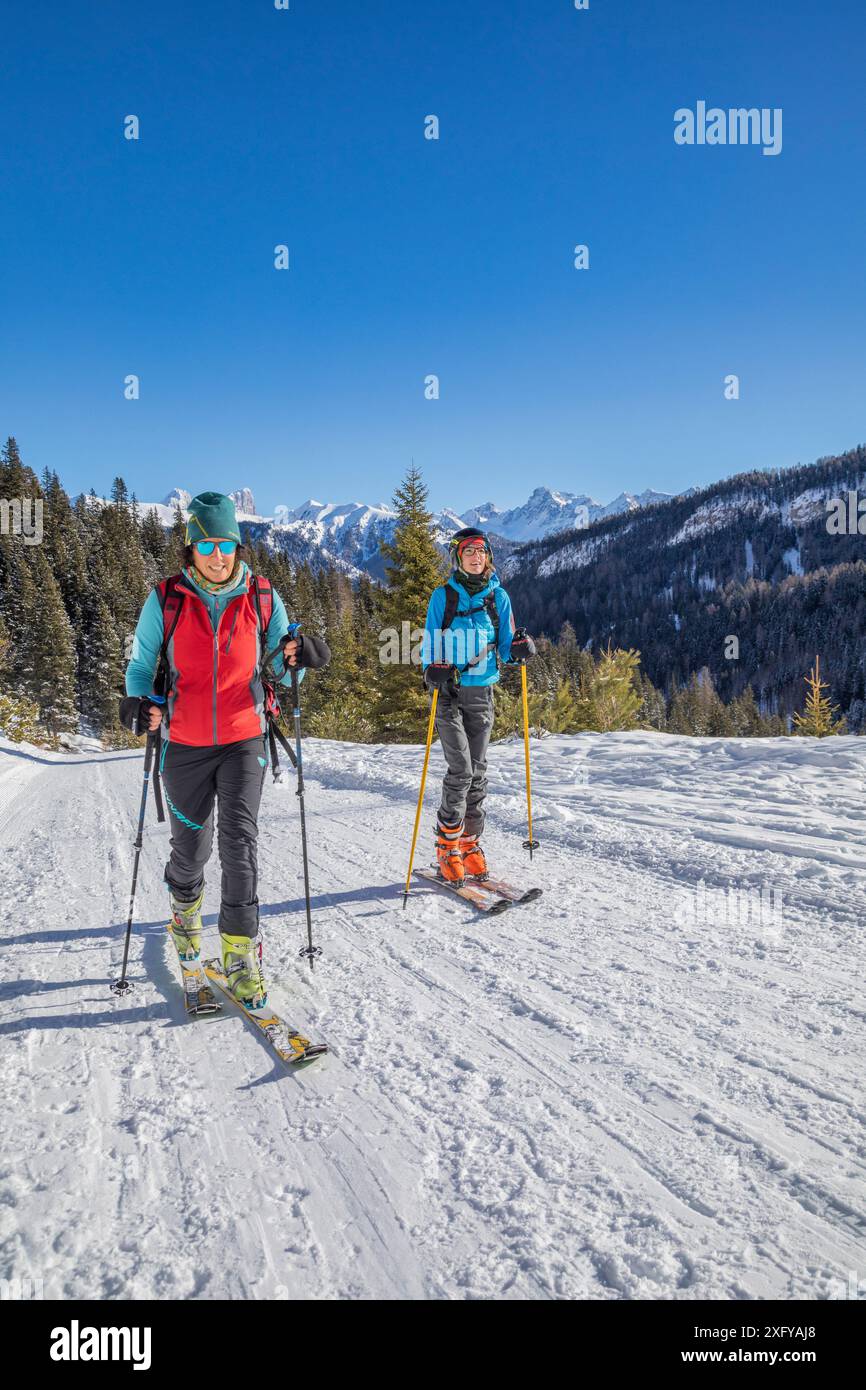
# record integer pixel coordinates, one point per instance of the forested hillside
(749, 558)
(673, 582)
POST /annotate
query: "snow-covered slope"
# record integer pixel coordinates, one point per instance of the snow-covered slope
(648, 1084)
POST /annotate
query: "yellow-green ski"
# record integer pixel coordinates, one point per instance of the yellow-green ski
(287, 1042)
(198, 997)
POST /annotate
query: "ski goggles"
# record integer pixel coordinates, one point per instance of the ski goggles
(207, 547)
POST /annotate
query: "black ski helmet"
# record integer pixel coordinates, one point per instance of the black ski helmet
(469, 533)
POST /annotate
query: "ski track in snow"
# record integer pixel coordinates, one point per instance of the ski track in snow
(648, 1084)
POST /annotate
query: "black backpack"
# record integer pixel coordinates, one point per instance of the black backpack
(452, 600)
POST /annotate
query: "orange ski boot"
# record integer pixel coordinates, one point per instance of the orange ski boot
(474, 863)
(448, 852)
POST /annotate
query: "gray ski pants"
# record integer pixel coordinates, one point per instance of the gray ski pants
(194, 779)
(463, 725)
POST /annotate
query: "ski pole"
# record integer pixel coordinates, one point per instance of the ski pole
(421, 792)
(529, 844)
(122, 985)
(310, 951)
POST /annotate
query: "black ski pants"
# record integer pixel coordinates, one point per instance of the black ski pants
(233, 775)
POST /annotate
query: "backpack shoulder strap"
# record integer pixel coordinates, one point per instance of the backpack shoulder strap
(452, 598)
(167, 588)
(170, 601)
(263, 597)
(493, 612)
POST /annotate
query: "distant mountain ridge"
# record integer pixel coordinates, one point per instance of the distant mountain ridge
(548, 513)
(347, 535)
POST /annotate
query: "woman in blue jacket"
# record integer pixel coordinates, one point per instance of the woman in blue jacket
(469, 629)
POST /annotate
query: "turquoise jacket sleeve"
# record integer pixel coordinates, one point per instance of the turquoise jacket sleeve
(432, 650)
(506, 623)
(277, 629)
(146, 644)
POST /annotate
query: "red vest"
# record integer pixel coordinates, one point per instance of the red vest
(215, 691)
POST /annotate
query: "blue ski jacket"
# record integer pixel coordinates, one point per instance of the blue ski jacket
(470, 630)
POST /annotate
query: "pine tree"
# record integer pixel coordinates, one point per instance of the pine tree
(47, 644)
(16, 480)
(19, 717)
(560, 714)
(414, 570)
(609, 697)
(570, 654)
(746, 717)
(62, 541)
(176, 542)
(507, 712)
(119, 493)
(343, 704)
(101, 668)
(155, 547)
(818, 720)
(653, 708)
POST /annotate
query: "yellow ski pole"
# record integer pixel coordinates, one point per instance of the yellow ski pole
(421, 792)
(529, 844)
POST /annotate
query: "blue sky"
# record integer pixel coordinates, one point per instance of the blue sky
(411, 256)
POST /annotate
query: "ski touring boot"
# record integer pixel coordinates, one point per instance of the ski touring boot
(448, 855)
(474, 862)
(185, 928)
(242, 967)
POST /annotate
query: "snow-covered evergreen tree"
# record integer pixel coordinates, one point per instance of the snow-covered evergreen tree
(413, 571)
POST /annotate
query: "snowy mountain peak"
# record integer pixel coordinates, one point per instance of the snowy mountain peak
(178, 497)
(244, 501)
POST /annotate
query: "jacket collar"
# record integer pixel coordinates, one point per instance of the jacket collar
(472, 599)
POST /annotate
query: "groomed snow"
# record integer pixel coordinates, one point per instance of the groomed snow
(647, 1085)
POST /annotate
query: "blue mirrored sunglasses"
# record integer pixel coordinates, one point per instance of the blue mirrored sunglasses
(207, 547)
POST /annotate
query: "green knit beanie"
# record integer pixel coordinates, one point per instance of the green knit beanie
(212, 514)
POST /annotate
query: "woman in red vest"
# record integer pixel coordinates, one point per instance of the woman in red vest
(210, 628)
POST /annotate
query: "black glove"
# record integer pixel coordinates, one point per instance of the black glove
(439, 675)
(312, 652)
(522, 646)
(135, 713)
